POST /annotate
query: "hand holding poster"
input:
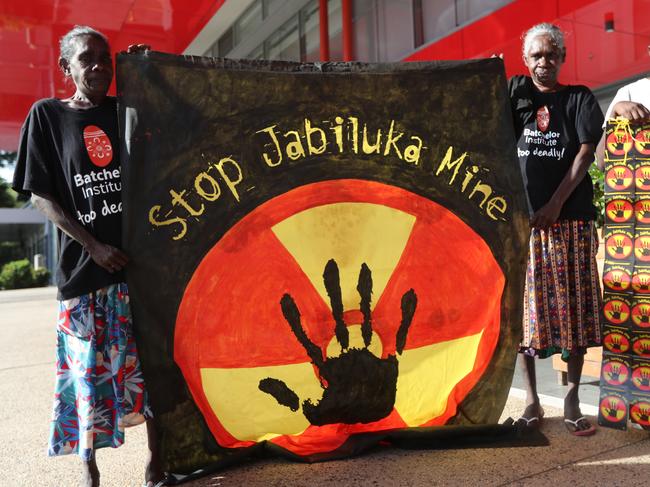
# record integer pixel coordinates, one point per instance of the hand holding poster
(322, 254)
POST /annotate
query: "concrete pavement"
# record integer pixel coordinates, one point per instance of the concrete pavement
(27, 332)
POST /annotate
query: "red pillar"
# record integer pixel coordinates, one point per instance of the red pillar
(324, 31)
(346, 13)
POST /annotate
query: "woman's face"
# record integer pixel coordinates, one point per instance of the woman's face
(544, 60)
(90, 67)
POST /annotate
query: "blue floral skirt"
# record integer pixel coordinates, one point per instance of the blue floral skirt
(99, 385)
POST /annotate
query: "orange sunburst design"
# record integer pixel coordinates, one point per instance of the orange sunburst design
(613, 408)
(616, 311)
(617, 280)
(642, 142)
(619, 211)
(231, 332)
(619, 178)
(642, 248)
(619, 246)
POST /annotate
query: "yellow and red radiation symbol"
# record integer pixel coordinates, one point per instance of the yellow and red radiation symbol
(613, 408)
(641, 282)
(642, 178)
(642, 142)
(619, 246)
(615, 373)
(619, 211)
(641, 347)
(617, 280)
(640, 413)
(641, 315)
(616, 342)
(641, 378)
(642, 211)
(619, 178)
(619, 142)
(616, 311)
(271, 353)
(642, 248)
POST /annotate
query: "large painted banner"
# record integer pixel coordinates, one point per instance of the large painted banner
(323, 255)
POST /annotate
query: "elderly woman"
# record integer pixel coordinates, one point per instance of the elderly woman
(558, 127)
(68, 160)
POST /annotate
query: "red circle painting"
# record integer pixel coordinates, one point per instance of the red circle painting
(619, 178)
(642, 248)
(640, 413)
(641, 315)
(618, 246)
(617, 280)
(619, 211)
(641, 347)
(616, 342)
(642, 142)
(613, 408)
(641, 378)
(642, 178)
(641, 282)
(619, 142)
(336, 308)
(616, 311)
(642, 211)
(615, 373)
(98, 146)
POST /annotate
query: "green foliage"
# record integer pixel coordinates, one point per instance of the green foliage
(20, 274)
(7, 195)
(598, 177)
(10, 251)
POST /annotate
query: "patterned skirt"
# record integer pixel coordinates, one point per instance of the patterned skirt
(562, 301)
(99, 386)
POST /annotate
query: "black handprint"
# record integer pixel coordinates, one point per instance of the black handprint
(644, 348)
(619, 173)
(619, 208)
(615, 344)
(645, 248)
(644, 312)
(358, 387)
(611, 411)
(615, 373)
(618, 248)
(643, 415)
(615, 312)
(644, 380)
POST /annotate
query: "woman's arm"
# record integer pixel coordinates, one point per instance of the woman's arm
(110, 258)
(548, 214)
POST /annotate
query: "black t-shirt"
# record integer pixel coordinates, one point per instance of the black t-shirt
(72, 156)
(549, 141)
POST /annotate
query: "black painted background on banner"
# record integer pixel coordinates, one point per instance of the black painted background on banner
(178, 114)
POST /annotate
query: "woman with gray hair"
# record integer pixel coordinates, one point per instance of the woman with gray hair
(68, 161)
(557, 127)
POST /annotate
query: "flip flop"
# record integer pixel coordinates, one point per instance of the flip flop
(574, 426)
(531, 423)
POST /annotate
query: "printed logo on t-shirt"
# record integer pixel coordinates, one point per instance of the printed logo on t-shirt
(543, 118)
(98, 146)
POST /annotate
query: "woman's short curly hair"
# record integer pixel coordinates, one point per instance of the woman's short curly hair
(66, 44)
(551, 30)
